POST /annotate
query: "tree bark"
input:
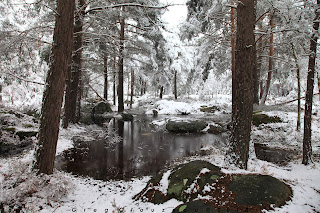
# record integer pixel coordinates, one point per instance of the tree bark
(259, 63)
(114, 78)
(256, 73)
(67, 104)
(299, 87)
(268, 83)
(175, 86)
(161, 92)
(73, 84)
(242, 85)
(55, 84)
(120, 77)
(307, 147)
(105, 65)
(233, 44)
(132, 88)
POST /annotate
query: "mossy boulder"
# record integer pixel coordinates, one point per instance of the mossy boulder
(200, 206)
(151, 193)
(26, 134)
(186, 174)
(261, 190)
(258, 119)
(216, 129)
(101, 108)
(274, 155)
(184, 182)
(184, 126)
(204, 188)
(126, 117)
(98, 114)
(209, 109)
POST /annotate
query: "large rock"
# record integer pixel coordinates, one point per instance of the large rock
(186, 174)
(204, 188)
(216, 129)
(126, 117)
(209, 109)
(99, 113)
(200, 206)
(184, 182)
(258, 119)
(26, 134)
(101, 108)
(184, 126)
(275, 155)
(261, 190)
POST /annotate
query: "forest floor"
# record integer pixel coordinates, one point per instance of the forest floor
(63, 192)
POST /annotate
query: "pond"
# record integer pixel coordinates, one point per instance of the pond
(141, 150)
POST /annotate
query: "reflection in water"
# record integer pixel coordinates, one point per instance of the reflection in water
(141, 151)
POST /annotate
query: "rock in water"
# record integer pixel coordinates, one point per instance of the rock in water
(98, 111)
(127, 117)
(184, 126)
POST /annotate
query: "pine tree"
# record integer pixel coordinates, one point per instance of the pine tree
(307, 147)
(242, 85)
(53, 94)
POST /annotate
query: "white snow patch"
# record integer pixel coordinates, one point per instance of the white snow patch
(164, 182)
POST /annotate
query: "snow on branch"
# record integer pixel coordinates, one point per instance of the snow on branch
(129, 5)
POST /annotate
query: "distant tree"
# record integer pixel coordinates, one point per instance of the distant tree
(307, 147)
(53, 94)
(270, 62)
(121, 64)
(242, 85)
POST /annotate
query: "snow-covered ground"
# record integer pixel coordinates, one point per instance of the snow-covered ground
(68, 193)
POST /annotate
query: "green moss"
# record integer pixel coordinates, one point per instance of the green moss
(210, 109)
(189, 172)
(182, 208)
(28, 125)
(10, 129)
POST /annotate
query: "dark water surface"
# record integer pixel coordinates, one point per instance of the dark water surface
(143, 150)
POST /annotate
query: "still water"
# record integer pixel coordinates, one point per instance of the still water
(142, 150)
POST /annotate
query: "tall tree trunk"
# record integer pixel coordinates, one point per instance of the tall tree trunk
(67, 104)
(266, 91)
(161, 92)
(144, 87)
(132, 88)
(105, 64)
(53, 94)
(175, 86)
(114, 78)
(72, 90)
(307, 148)
(79, 98)
(259, 63)
(233, 44)
(299, 87)
(256, 74)
(242, 86)
(318, 78)
(120, 77)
